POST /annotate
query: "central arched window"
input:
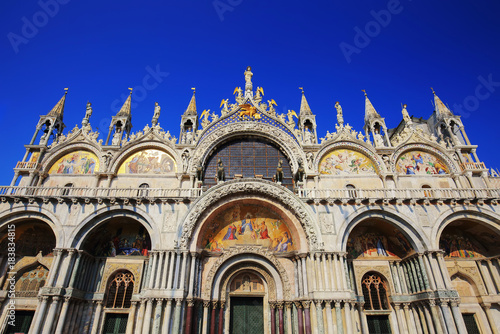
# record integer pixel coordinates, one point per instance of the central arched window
(375, 292)
(120, 290)
(248, 157)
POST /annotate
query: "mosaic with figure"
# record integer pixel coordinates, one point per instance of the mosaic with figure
(344, 161)
(247, 225)
(366, 241)
(118, 238)
(420, 163)
(79, 162)
(456, 243)
(148, 162)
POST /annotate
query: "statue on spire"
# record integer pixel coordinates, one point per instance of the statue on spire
(156, 114)
(248, 79)
(406, 116)
(88, 113)
(340, 117)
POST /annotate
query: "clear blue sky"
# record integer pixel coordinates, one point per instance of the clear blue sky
(394, 50)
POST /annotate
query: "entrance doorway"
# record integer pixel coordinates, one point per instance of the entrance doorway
(22, 322)
(247, 314)
(378, 324)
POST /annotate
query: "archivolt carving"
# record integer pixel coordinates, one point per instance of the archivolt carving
(285, 141)
(244, 267)
(256, 186)
(263, 252)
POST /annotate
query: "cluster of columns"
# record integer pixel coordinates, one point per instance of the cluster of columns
(321, 272)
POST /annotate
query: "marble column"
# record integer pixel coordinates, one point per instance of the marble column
(348, 318)
(307, 316)
(331, 272)
(62, 279)
(437, 318)
(486, 278)
(189, 316)
(281, 320)
(429, 319)
(404, 287)
(428, 269)
(166, 319)
(206, 308)
(329, 317)
(304, 276)
(62, 317)
(319, 275)
(40, 314)
(140, 315)
(459, 320)
(212, 317)
(176, 327)
(54, 268)
(326, 272)
(164, 274)
(300, 317)
(157, 316)
(494, 274)
(397, 284)
(288, 308)
(343, 276)
(171, 271)
(410, 325)
(147, 316)
(51, 316)
(337, 272)
(221, 316)
(159, 270)
(192, 274)
(152, 272)
(319, 316)
(444, 270)
(338, 313)
(95, 325)
(182, 282)
(436, 271)
(131, 319)
(398, 317)
(272, 307)
(491, 319)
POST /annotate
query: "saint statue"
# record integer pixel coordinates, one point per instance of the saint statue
(279, 172)
(248, 79)
(221, 175)
(340, 117)
(156, 114)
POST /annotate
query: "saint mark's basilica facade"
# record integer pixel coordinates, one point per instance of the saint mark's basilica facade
(249, 222)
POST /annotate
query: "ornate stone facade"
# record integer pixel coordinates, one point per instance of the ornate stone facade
(358, 230)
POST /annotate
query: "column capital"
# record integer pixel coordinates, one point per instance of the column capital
(272, 304)
(279, 305)
(306, 303)
(318, 302)
(67, 299)
(206, 303)
(178, 301)
(337, 303)
(56, 298)
(191, 302)
(288, 304)
(298, 304)
(215, 303)
(222, 303)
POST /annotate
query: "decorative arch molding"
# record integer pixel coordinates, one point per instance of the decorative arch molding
(33, 212)
(285, 142)
(50, 159)
(257, 187)
(470, 274)
(364, 149)
(410, 228)
(489, 218)
(102, 215)
(117, 161)
(430, 149)
(244, 267)
(247, 254)
(29, 261)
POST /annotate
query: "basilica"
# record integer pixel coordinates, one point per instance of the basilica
(249, 221)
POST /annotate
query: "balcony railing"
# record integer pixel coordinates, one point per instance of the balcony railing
(27, 165)
(63, 192)
(473, 165)
(403, 194)
(312, 194)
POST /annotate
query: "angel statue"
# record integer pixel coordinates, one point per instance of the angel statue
(340, 117)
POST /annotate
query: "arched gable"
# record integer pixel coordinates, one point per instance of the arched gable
(102, 215)
(50, 159)
(410, 229)
(285, 142)
(373, 164)
(121, 158)
(229, 189)
(435, 161)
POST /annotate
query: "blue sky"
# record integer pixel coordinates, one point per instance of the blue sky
(395, 50)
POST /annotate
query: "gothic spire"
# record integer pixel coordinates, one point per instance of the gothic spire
(125, 110)
(58, 109)
(191, 109)
(441, 108)
(304, 106)
(370, 111)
